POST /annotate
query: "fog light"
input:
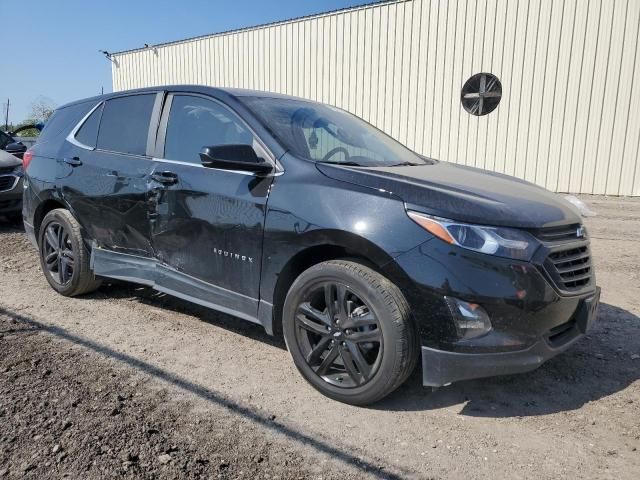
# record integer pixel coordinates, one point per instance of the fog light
(470, 319)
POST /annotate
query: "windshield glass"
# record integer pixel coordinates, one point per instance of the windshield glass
(326, 134)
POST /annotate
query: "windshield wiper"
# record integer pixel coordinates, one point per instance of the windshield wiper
(404, 164)
(349, 164)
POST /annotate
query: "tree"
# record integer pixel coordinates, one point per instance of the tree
(41, 109)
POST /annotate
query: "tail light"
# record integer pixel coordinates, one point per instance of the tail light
(26, 159)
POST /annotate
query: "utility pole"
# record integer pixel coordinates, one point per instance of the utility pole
(6, 116)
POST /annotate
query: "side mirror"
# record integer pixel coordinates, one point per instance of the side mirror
(234, 157)
(16, 148)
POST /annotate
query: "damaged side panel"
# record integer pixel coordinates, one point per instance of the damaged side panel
(209, 224)
(147, 271)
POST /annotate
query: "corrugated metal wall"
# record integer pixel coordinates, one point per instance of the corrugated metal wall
(569, 118)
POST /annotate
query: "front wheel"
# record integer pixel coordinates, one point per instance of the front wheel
(349, 331)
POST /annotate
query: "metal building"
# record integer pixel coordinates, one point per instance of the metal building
(568, 96)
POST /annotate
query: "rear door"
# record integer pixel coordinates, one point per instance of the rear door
(208, 223)
(105, 171)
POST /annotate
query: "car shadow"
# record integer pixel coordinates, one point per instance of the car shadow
(149, 296)
(599, 365)
(602, 363)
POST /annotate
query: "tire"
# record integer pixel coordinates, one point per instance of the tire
(65, 264)
(371, 360)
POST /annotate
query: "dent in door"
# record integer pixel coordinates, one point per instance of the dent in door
(210, 226)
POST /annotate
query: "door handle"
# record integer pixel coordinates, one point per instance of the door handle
(74, 161)
(166, 177)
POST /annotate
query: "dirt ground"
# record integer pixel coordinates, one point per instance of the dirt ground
(127, 382)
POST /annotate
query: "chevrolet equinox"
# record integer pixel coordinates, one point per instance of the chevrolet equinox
(305, 219)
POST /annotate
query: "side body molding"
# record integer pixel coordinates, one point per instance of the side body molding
(150, 272)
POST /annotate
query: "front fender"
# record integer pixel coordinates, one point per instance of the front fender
(307, 210)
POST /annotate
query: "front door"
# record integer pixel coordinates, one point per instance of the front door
(207, 224)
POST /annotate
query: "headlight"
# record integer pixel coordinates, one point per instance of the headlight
(18, 169)
(499, 241)
(582, 207)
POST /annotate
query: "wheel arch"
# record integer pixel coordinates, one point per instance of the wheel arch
(343, 246)
(42, 210)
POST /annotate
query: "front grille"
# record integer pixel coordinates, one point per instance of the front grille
(559, 234)
(571, 268)
(568, 259)
(7, 182)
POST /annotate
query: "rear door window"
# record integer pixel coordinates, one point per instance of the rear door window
(88, 133)
(124, 127)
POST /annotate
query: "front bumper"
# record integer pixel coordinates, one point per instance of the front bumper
(532, 320)
(11, 198)
(441, 367)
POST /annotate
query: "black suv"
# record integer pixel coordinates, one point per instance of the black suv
(309, 221)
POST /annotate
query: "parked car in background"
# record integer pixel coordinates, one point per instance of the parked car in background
(309, 221)
(10, 186)
(16, 145)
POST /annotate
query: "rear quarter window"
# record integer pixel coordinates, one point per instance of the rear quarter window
(88, 133)
(124, 126)
(63, 120)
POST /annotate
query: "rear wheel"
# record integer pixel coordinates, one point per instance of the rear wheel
(349, 331)
(63, 255)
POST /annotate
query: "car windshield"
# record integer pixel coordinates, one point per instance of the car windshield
(322, 133)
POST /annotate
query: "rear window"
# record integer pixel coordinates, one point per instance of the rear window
(63, 120)
(125, 124)
(88, 133)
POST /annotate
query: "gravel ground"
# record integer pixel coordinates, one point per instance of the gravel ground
(127, 382)
(69, 412)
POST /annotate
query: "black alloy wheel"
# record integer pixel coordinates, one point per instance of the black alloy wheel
(58, 254)
(349, 331)
(339, 335)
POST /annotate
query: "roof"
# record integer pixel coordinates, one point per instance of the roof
(203, 89)
(262, 25)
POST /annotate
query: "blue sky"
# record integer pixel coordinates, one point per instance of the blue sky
(51, 47)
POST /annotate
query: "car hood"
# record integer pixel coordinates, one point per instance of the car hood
(464, 193)
(8, 160)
